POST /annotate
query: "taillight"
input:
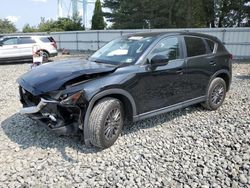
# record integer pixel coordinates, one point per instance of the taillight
(54, 44)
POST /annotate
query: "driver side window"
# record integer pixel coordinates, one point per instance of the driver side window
(168, 47)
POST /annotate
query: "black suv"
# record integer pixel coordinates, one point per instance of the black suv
(129, 79)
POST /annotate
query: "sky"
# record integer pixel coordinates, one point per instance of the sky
(21, 12)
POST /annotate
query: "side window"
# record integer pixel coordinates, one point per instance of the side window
(168, 47)
(210, 45)
(47, 39)
(26, 40)
(9, 41)
(195, 46)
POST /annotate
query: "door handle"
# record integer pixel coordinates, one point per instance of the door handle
(212, 63)
(14, 46)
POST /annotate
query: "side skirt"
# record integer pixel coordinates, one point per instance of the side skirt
(169, 108)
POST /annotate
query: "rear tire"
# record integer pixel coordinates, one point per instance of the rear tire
(106, 122)
(45, 57)
(215, 95)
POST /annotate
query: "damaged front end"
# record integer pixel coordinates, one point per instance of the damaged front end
(54, 93)
(63, 115)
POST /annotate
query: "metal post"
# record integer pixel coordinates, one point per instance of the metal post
(98, 39)
(59, 42)
(223, 36)
(77, 45)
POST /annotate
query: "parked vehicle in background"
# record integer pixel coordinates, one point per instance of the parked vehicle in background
(129, 79)
(19, 48)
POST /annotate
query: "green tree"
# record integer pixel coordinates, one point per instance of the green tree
(229, 13)
(61, 24)
(7, 26)
(29, 29)
(127, 14)
(97, 19)
(49, 26)
(209, 6)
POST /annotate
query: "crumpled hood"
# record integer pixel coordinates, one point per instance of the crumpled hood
(52, 76)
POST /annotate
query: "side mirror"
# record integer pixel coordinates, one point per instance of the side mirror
(159, 60)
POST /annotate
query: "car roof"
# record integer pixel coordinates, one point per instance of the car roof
(169, 33)
(34, 36)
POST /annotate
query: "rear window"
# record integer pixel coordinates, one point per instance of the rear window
(195, 46)
(47, 39)
(26, 40)
(211, 45)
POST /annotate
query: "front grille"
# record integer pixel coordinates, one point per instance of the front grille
(27, 98)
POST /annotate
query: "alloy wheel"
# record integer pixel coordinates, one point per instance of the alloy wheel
(112, 124)
(217, 94)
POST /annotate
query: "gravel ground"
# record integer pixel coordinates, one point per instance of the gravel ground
(185, 148)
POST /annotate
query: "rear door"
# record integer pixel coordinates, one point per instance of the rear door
(25, 45)
(201, 64)
(8, 48)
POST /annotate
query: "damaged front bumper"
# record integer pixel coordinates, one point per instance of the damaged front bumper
(60, 118)
(36, 109)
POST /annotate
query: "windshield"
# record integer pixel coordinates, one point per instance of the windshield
(122, 50)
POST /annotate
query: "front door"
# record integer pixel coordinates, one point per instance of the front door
(8, 48)
(165, 85)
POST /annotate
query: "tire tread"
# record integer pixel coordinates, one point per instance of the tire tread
(96, 120)
(207, 104)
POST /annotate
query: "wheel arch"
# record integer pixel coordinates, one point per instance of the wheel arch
(225, 75)
(226, 78)
(43, 50)
(120, 94)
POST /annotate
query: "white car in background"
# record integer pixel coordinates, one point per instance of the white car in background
(20, 48)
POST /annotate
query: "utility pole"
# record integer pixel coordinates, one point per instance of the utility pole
(59, 9)
(74, 8)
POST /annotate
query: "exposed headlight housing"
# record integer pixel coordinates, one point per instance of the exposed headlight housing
(72, 99)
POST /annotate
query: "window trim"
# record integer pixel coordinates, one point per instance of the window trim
(215, 46)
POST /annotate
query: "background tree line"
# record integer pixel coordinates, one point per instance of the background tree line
(7, 26)
(127, 14)
(61, 24)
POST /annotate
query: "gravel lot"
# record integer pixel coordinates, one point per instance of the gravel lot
(185, 148)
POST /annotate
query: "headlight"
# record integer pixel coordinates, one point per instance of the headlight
(72, 99)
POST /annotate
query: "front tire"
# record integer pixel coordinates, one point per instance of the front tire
(216, 94)
(106, 122)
